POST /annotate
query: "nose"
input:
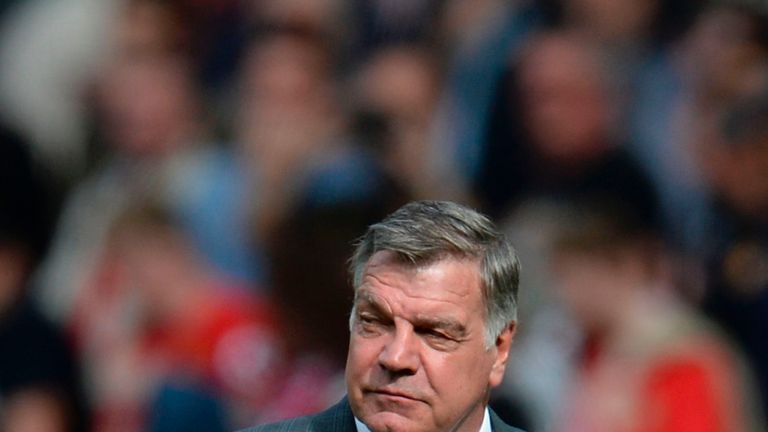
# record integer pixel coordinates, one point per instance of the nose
(400, 356)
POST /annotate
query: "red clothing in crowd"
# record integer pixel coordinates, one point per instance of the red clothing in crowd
(665, 371)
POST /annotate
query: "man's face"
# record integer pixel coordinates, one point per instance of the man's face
(417, 356)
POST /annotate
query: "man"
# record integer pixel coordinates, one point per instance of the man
(434, 315)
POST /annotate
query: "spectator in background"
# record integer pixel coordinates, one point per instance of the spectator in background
(179, 349)
(40, 387)
(286, 123)
(678, 99)
(478, 40)
(290, 138)
(396, 92)
(289, 121)
(295, 144)
(225, 32)
(554, 135)
(648, 363)
(149, 123)
(737, 264)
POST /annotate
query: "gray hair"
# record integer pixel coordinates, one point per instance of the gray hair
(425, 232)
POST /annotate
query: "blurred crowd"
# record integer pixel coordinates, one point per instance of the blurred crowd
(182, 182)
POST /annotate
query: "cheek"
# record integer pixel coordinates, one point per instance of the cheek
(457, 374)
(361, 357)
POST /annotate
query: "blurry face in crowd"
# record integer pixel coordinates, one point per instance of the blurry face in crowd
(283, 72)
(287, 103)
(725, 59)
(417, 356)
(148, 103)
(401, 85)
(613, 19)
(147, 96)
(154, 262)
(566, 107)
(595, 285)
(400, 81)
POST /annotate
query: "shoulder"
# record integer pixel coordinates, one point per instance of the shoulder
(337, 418)
(498, 424)
(294, 424)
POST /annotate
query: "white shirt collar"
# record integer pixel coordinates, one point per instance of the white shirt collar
(484, 427)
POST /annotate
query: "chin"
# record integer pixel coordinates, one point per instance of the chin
(393, 422)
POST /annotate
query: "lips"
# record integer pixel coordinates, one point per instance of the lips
(395, 393)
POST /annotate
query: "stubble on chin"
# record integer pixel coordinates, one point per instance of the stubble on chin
(384, 414)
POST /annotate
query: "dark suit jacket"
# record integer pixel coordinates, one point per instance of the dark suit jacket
(339, 418)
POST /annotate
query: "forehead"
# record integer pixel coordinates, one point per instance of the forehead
(449, 283)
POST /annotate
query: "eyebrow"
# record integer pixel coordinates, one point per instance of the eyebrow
(364, 298)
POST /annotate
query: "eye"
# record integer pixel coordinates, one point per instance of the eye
(369, 324)
(438, 339)
(432, 333)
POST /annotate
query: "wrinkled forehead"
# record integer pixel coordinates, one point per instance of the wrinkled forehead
(389, 267)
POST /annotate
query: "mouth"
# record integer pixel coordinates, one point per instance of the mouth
(394, 394)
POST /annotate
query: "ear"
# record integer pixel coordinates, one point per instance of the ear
(501, 352)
